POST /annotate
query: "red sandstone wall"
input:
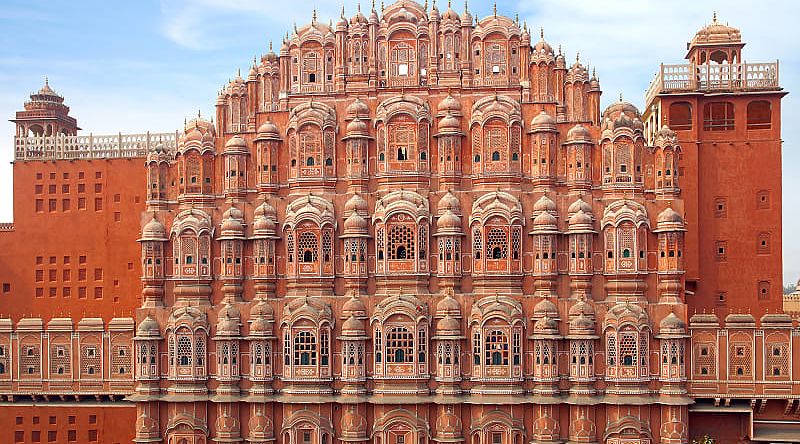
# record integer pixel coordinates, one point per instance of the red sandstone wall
(73, 250)
(109, 423)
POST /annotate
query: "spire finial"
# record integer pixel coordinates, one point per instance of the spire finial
(577, 57)
(46, 81)
(715, 17)
(425, 7)
(358, 6)
(238, 72)
(516, 18)
(620, 97)
(466, 6)
(342, 10)
(314, 16)
(541, 33)
(559, 49)
(495, 9)
(270, 46)
(198, 113)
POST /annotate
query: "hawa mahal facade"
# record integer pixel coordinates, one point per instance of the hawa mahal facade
(408, 227)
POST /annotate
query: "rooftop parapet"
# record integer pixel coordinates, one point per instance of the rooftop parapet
(116, 146)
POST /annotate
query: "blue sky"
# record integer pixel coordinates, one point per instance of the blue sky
(134, 66)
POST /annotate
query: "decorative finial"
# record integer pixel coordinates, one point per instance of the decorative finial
(314, 16)
(46, 81)
(516, 18)
(425, 7)
(238, 72)
(383, 7)
(495, 9)
(342, 10)
(620, 97)
(466, 6)
(541, 33)
(715, 17)
(559, 49)
(577, 57)
(198, 113)
(270, 46)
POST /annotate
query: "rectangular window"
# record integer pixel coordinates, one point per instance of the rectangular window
(36, 436)
(92, 436)
(6, 287)
(721, 251)
(65, 204)
(52, 205)
(98, 204)
(72, 435)
(39, 205)
(19, 436)
(718, 116)
(721, 207)
(64, 189)
(763, 243)
(52, 435)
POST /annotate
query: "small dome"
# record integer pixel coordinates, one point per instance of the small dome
(580, 220)
(581, 307)
(579, 133)
(450, 104)
(544, 204)
(448, 326)
(194, 135)
(268, 130)
(449, 123)
(451, 15)
(260, 327)
(354, 307)
(356, 203)
(545, 325)
(154, 230)
(358, 18)
(669, 220)
(545, 219)
(357, 127)
(672, 324)
(232, 222)
(614, 110)
(579, 205)
(355, 224)
(717, 33)
(545, 308)
(449, 201)
(148, 327)
(448, 306)
(542, 47)
(262, 309)
(581, 324)
(353, 327)
(448, 221)
(227, 326)
(264, 220)
(357, 109)
(543, 122)
(742, 320)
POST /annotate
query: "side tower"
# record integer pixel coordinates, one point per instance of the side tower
(45, 115)
(726, 114)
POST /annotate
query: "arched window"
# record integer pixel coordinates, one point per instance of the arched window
(401, 242)
(680, 116)
(310, 161)
(497, 348)
(495, 156)
(184, 351)
(399, 345)
(305, 348)
(718, 116)
(759, 115)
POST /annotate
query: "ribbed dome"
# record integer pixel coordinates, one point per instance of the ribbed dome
(355, 224)
(448, 326)
(148, 327)
(357, 109)
(672, 324)
(354, 307)
(545, 325)
(232, 222)
(543, 122)
(353, 327)
(357, 127)
(268, 130)
(581, 324)
(580, 220)
(227, 326)
(448, 221)
(262, 309)
(669, 220)
(579, 205)
(579, 133)
(544, 204)
(356, 203)
(154, 231)
(718, 33)
(581, 307)
(450, 104)
(449, 201)
(545, 308)
(448, 306)
(545, 219)
(260, 327)
(449, 123)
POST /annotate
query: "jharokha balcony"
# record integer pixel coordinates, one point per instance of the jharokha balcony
(714, 78)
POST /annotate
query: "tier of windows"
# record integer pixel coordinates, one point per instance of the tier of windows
(720, 116)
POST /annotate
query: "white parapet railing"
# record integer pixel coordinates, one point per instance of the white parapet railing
(117, 146)
(714, 77)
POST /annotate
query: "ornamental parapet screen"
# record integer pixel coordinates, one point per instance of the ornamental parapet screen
(116, 146)
(714, 77)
